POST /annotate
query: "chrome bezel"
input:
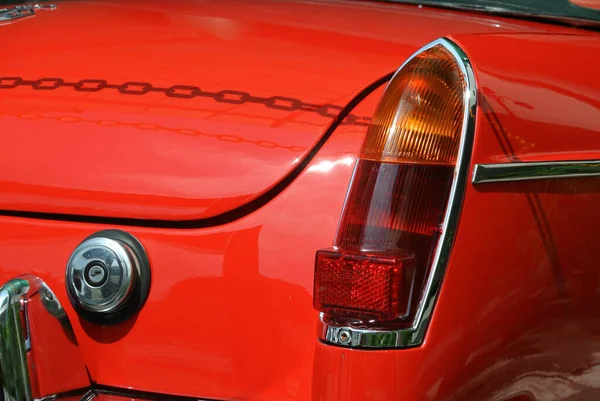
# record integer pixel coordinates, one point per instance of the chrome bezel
(122, 269)
(414, 335)
(526, 171)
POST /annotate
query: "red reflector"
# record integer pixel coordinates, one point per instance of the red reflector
(361, 287)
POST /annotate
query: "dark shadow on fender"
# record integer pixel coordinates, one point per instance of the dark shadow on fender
(228, 96)
(108, 334)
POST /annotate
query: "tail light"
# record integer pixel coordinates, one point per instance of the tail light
(377, 285)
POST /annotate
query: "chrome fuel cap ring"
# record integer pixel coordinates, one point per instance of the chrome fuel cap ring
(101, 274)
(108, 277)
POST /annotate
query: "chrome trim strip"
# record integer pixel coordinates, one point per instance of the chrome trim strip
(525, 171)
(90, 395)
(414, 336)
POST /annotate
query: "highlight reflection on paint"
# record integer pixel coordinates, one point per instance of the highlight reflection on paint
(327, 165)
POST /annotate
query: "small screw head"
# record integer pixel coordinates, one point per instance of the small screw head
(345, 337)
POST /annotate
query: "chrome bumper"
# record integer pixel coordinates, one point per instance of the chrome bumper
(39, 354)
(40, 359)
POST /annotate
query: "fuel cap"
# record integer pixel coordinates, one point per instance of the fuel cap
(108, 277)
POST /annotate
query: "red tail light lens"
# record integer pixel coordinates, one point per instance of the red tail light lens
(393, 218)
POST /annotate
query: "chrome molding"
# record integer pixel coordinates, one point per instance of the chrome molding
(506, 172)
(414, 335)
(28, 10)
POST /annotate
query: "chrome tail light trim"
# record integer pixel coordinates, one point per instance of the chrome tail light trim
(414, 335)
(525, 171)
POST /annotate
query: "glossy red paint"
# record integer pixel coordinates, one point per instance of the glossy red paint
(230, 314)
(152, 156)
(535, 113)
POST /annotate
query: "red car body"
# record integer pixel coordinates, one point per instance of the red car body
(234, 188)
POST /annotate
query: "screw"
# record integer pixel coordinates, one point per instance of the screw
(345, 337)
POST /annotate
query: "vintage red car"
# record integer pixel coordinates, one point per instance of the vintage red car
(300, 200)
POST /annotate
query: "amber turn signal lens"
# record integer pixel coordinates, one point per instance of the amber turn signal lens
(419, 118)
(393, 216)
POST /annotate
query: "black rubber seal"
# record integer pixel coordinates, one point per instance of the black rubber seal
(141, 287)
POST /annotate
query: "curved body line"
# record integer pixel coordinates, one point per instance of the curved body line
(414, 336)
(506, 172)
(223, 218)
